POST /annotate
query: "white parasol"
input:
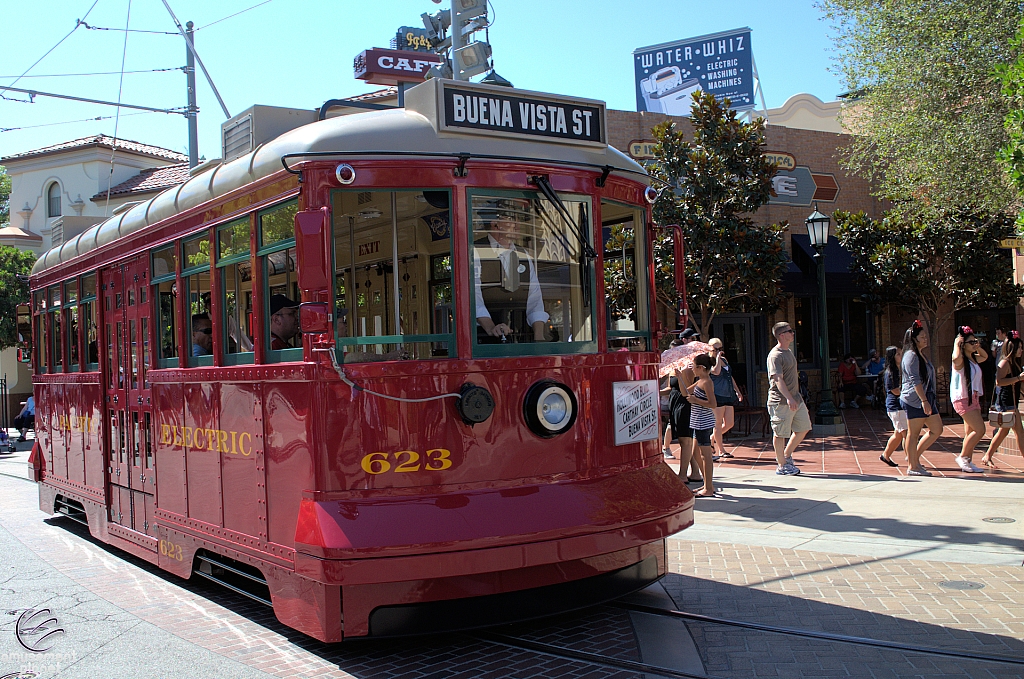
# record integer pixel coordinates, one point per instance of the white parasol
(678, 358)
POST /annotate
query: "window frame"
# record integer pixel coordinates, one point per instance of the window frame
(50, 212)
(186, 275)
(274, 355)
(54, 333)
(221, 265)
(342, 344)
(641, 278)
(530, 348)
(71, 307)
(154, 282)
(87, 297)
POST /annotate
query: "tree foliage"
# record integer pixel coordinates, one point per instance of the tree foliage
(918, 265)
(930, 112)
(1012, 155)
(720, 179)
(15, 266)
(5, 197)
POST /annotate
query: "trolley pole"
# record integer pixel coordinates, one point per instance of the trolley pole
(193, 111)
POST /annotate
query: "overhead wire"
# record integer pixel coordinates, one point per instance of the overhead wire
(78, 22)
(117, 111)
(76, 75)
(126, 30)
(70, 122)
(234, 15)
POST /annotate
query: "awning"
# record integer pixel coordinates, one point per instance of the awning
(802, 276)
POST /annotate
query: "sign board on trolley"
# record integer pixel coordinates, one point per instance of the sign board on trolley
(667, 75)
(465, 107)
(636, 411)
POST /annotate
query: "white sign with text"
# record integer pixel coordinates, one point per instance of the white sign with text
(636, 411)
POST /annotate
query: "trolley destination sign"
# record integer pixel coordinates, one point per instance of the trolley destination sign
(497, 112)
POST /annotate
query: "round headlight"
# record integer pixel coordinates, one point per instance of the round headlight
(650, 194)
(345, 173)
(549, 408)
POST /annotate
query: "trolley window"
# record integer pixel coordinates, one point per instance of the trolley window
(195, 275)
(393, 280)
(165, 284)
(87, 318)
(41, 343)
(625, 289)
(532, 283)
(71, 306)
(235, 270)
(281, 282)
(55, 334)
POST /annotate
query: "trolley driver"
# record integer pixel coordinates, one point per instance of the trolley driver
(506, 281)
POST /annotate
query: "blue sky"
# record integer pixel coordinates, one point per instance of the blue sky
(299, 53)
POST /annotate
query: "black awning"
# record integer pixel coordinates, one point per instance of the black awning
(802, 276)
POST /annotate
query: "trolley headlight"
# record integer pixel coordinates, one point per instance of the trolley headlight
(650, 194)
(549, 408)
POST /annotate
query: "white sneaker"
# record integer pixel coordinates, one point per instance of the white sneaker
(962, 463)
(853, 404)
(971, 468)
(842, 405)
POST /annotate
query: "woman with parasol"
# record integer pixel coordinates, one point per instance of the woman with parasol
(677, 363)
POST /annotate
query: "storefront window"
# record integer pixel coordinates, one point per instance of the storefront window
(532, 279)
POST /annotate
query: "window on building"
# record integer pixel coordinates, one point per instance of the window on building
(53, 200)
(532, 285)
(165, 281)
(281, 282)
(625, 290)
(393, 277)
(71, 306)
(850, 328)
(195, 276)
(235, 269)
(87, 317)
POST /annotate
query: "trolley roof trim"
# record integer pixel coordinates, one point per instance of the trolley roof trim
(406, 130)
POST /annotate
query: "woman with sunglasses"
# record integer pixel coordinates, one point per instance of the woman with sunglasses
(1009, 376)
(966, 390)
(917, 395)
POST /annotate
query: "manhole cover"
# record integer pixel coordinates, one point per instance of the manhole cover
(960, 584)
(999, 519)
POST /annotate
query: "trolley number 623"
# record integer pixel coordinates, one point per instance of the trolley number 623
(434, 460)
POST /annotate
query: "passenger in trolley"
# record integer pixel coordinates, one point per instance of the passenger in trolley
(202, 334)
(505, 276)
(284, 322)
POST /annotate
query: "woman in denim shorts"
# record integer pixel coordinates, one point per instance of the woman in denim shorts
(917, 394)
(891, 381)
(1009, 377)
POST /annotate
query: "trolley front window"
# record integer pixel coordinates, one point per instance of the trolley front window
(625, 283)
(41, 344)
(392, 285)
(55, 334)
(533, 283)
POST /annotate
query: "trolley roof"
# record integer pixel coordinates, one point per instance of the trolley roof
(417, 128)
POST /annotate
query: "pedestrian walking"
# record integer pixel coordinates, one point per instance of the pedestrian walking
(1009, 376)
(786, 409)
(702, 419)
(966, 390)
(680, 423)
(891, 382)
(727, 393)
(917, 394)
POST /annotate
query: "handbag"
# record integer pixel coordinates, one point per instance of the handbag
(1001, 418)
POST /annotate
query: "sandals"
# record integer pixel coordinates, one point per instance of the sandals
(886, 460)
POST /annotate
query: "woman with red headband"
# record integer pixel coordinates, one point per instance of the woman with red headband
(1009, 376)
(965, 391)
(917, 395)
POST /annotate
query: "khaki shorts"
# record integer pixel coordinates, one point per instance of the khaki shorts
(785, 421)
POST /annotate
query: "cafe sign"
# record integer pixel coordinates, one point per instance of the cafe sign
(389, 67)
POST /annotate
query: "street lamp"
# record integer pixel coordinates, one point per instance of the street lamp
(827, 420)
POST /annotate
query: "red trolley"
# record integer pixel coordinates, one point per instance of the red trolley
(369, 373)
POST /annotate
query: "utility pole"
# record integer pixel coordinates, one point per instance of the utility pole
(192, 113)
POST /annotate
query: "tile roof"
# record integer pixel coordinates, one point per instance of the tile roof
(148, 181)
(101, 141)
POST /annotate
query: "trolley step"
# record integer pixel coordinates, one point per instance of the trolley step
(72, 509)
(238, 577)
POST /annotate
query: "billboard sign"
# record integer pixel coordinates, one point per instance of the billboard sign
(667, 75)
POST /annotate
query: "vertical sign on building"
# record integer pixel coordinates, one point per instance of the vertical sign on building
(667, 75)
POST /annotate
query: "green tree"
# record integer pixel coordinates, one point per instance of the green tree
(928, 122)
(15, 266)
(917, 266)
(5, 197)
(721, 178)
(1012, 155)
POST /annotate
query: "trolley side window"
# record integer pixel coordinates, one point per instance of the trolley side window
(393, 274)
(165, 284)
(195, 275)
(87, 319)
(235, 269)
(625, 286)
(41, 342)
(54, 331)
(532, 281)
(71, 306)
(281, 281)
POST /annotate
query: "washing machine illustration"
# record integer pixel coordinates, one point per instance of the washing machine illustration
(666, 91)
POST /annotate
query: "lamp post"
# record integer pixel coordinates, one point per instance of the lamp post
(827, 420)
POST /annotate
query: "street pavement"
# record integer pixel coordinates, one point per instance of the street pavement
(863, 552)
